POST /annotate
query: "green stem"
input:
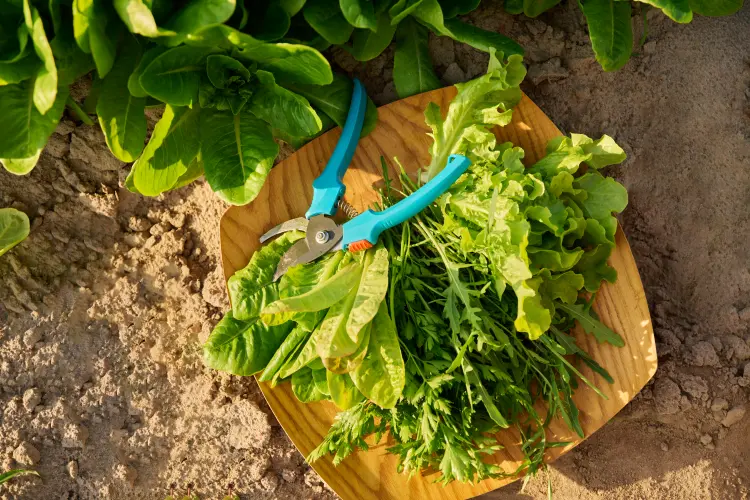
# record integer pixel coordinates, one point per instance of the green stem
(78, 112)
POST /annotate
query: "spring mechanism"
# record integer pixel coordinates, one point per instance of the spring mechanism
(348, 210)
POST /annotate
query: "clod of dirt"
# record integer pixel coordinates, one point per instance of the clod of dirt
(548, 71)
(31, 398)
(270, 482)
(734, 416)
(667, 396)
(704, 354)
(719, 404)
(26, 454)
(126, 473)
(74, 436)
(737, 348)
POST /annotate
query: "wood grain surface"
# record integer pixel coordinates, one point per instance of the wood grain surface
(401, 133)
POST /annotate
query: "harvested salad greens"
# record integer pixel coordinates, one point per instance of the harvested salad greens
(455, 324)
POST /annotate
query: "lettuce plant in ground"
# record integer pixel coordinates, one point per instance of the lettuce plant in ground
(226, 95)
(610, 21)
(232, 77)
(14, 228)
(235, 76)
(454, 326)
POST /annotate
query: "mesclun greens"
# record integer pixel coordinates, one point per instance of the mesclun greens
(455, 326)
(610, 21)
(14, 228)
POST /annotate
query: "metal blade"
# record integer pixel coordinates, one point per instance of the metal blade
(310, 248)
(298, 224)
(290, 257)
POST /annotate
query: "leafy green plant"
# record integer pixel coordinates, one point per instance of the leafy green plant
(231, 84)
(7, 476)
(610, 21)
(235, 77)
(453, 327)
(14, 228)
(226, 94)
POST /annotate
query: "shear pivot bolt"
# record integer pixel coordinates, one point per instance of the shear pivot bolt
(322, 237)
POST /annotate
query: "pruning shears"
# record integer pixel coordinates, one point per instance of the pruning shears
(323, 234)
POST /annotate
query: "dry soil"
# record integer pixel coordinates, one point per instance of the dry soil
(104, 307)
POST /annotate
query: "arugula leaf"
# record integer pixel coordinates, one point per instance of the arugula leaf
(328, 21)
(172, 148)
(412, 67)
(174, 77)
(238, 152)
(592, 326)
(121, 116)
(381, 375)
(242, 348)
(610, 30)
(282, 109)
(14, 228)
(25, 129)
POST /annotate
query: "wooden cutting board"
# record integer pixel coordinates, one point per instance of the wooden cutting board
(401, 133)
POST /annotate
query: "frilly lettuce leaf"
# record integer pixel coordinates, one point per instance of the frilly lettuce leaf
(479, 105)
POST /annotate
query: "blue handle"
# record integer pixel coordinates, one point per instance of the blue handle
(328, 186)
(369, 225)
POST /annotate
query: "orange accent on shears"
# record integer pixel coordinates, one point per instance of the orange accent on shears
(360, 245)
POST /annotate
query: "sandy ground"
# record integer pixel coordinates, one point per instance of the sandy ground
(104, 307)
